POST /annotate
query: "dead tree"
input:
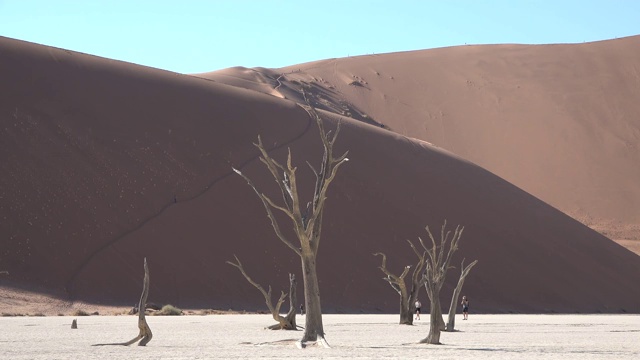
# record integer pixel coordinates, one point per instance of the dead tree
(451, 319)
(306, 219)
(438, 260)
(145, 334)
(4, 272)
(293, 299)
(407, 297)
(287, 322)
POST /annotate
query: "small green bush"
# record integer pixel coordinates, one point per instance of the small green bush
(80, 312)
(169, 310)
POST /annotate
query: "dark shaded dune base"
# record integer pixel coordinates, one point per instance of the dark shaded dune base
(93, 152)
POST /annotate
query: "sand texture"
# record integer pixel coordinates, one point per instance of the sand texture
(350, 337)
(105, 162)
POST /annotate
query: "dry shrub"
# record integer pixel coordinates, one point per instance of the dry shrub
(80, 312)
(169, 310)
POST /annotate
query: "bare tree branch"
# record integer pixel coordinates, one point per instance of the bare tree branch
(276, 170)
(266, 294)
(285, 323)
(383, 267)
(464, 271)
(274, 222)
(277, 207)
(418, 270)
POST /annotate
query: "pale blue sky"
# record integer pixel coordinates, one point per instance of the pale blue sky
(198, 36)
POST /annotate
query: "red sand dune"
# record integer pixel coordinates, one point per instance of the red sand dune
(559, 121)
(94, 152)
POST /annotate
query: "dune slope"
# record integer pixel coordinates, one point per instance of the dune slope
(559, 121)
(105, 163)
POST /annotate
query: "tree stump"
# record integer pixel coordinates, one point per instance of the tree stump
(145, 334)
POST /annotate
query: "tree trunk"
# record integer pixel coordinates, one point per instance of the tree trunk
(293, 300)
(451, 319)
(441, 323)
(287, 322)
(145, 334)
(406, 311)
(313, 331)
(435, 319)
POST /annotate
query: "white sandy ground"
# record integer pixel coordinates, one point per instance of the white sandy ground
(351, 336)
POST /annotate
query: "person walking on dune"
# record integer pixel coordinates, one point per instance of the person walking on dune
(465, 307)
(418, 305)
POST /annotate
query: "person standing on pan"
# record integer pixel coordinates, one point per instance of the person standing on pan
(465, 307)
(418, 305)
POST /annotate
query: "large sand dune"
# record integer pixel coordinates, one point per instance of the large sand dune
(105, 162)
(559, 121)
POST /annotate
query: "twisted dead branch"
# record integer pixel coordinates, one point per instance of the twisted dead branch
(287, 322)
(145, 334)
